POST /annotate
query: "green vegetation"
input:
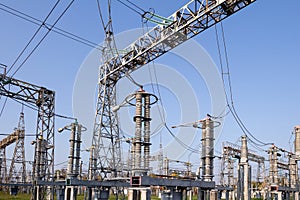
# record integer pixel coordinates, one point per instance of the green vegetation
(6, 196)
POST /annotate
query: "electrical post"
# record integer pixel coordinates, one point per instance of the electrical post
(297, 157)
(137, 142)
(89, 193)
(141, 164)
(3, 168)
(244, 173)
(207, 156)
(71, 191)
(74, 159)
(273, 172)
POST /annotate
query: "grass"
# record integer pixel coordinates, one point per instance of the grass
(7, 196)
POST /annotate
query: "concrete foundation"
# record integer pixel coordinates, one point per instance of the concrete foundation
(70, 193)
(139, 193)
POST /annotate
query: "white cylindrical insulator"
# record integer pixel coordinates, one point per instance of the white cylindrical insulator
(207, 158)
(147, 120)
(244, 150)
(297, 140)
(138, 133)
(77, 154)
(72, 150)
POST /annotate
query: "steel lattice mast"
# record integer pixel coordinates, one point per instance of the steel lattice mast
(187, 22)
(43, 100)
(17, 171)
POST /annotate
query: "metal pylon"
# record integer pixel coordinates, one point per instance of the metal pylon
(106, 130)
(106, 140)
(17, 171)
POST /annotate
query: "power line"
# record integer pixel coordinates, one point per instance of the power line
(38, 44)
(135, 5)
(187, 147)
(231, 106)
(56, 30)
(159, 94)
(131, 8)
(34, 35)
(3, 107)
(5, 101)
(100, 14)
(28, 105)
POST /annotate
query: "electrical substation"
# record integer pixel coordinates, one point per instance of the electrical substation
(244, 173)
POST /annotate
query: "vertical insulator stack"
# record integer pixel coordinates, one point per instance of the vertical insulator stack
(293, 171)
(92, 164)
(72, 146)
(273, 172)
(138, 132)
(244, 172)
(297, 140)
(207, 158)
(147, 120)
(142, 119)
(77, 150)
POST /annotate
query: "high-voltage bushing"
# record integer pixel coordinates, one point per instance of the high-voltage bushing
(74, 158)
(244, 173)
(207, 156)
(297, 140)
(3, 168)
(142, 121)
(273, 159)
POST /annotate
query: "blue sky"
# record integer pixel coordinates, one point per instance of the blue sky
(262, 42)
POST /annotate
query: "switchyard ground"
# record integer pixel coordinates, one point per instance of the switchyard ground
(6, 196)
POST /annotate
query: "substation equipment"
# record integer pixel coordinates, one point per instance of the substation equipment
(43, 100)
(105, 153)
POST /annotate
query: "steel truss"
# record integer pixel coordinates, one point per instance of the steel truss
(17, 171)
(43, 100)
(187, 22)
(231, 151)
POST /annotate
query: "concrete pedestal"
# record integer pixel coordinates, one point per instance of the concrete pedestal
(60, 193)
(139, 194)
(70, 193)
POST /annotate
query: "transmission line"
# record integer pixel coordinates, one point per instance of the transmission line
(32, 38)
(38, 44)
(55, 29)
(230, 105)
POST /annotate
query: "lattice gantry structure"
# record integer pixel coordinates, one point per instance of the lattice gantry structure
(17, 170)
(43, 100)
(187, 22)
(233, 151)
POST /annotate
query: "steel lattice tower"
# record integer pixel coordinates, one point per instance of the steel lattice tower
(187, 22)
(42, 99)
(106, 129)
(17, 171)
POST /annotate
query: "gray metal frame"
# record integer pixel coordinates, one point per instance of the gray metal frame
(42, 99)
